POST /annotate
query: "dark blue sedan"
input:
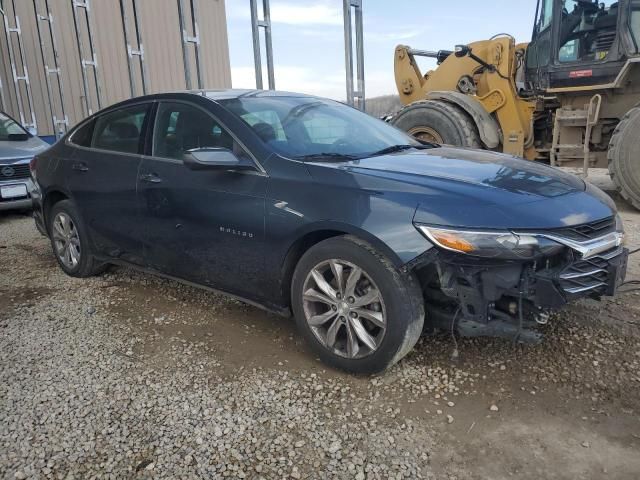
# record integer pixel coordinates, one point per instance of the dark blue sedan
(303, 205)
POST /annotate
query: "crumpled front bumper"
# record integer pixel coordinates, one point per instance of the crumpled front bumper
(500, 298)
(599, 275)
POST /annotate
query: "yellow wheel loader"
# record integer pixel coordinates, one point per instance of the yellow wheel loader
(570, 97)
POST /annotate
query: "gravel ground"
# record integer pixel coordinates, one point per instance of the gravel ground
(130, 376)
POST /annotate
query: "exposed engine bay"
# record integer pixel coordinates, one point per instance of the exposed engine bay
(510, 298)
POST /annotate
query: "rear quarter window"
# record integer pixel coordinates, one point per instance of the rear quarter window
(82, 136)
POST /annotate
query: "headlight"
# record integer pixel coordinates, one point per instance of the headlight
(496, 244)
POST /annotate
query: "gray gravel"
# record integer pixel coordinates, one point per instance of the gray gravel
(78, 399)
(97, 381)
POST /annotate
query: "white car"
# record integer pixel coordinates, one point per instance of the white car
(17, 147)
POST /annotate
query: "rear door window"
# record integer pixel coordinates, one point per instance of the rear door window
(121, 130)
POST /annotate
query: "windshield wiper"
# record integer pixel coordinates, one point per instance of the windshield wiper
(328, 156)
(399, 148)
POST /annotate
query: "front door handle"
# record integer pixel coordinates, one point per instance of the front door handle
(150, 178)
(80, 167)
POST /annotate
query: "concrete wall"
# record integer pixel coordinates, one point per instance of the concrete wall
(159, 25)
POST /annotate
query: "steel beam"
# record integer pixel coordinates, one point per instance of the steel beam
(353, 94)
(256, 25)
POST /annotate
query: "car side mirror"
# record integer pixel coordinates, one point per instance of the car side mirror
(215, 158)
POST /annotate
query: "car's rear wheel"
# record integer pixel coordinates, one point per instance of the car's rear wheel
(356, 310)
(70, 241)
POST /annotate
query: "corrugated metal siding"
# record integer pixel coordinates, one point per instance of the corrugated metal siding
(161, 38)
(162, 45)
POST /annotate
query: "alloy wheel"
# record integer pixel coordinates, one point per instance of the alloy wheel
(344, 308)
(66, 240)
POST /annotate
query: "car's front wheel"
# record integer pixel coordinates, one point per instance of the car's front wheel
(70, 241)
(357, 311)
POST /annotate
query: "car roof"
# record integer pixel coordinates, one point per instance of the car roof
(211, 94)
(231, 93)
(221, 94)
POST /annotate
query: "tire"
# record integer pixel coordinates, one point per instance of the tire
(624, 165)
(85, 264)
(438, 122)
(401, 306)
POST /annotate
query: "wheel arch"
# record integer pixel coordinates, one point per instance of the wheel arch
(488, 128)
(312, 235)
(50, 199)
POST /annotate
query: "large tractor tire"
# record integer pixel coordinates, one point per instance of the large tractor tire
(438, 122)
(624, 157)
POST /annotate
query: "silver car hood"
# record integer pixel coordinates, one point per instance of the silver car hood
(14, 150)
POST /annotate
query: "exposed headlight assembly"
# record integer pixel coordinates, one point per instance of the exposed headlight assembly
(491, 244)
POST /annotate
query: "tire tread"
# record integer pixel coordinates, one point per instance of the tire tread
(410, 306)
(463, 122)
(89, 266)
(615, 156)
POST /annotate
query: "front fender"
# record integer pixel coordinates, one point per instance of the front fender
(398, 244)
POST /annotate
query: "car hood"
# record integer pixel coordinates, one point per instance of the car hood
(473, 188)
(13, 150)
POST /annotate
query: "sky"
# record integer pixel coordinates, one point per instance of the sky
(308, 38)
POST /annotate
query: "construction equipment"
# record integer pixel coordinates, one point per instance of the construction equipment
(570, 97)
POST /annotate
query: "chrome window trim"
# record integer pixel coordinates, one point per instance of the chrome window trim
(174, 161)
(69, 140)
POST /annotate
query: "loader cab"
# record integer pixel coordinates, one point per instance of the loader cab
(581, 43)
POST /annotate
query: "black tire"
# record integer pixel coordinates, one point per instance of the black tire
(401, 297)
(87, 265)
(438, 122)
(624, 165)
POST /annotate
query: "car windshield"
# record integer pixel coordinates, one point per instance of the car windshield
(309, 128)
(10, 130)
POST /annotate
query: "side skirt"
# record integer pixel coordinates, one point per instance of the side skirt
(278, 310)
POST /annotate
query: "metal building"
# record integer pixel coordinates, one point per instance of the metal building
(65, 59)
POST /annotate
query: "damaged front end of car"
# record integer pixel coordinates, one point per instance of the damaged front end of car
(506, 283)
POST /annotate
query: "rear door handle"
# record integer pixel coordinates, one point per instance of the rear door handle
(80, 166)
(150, 178)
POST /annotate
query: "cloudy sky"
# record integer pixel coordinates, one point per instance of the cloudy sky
(308, 38)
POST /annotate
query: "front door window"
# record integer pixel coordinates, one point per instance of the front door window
(181, 127)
